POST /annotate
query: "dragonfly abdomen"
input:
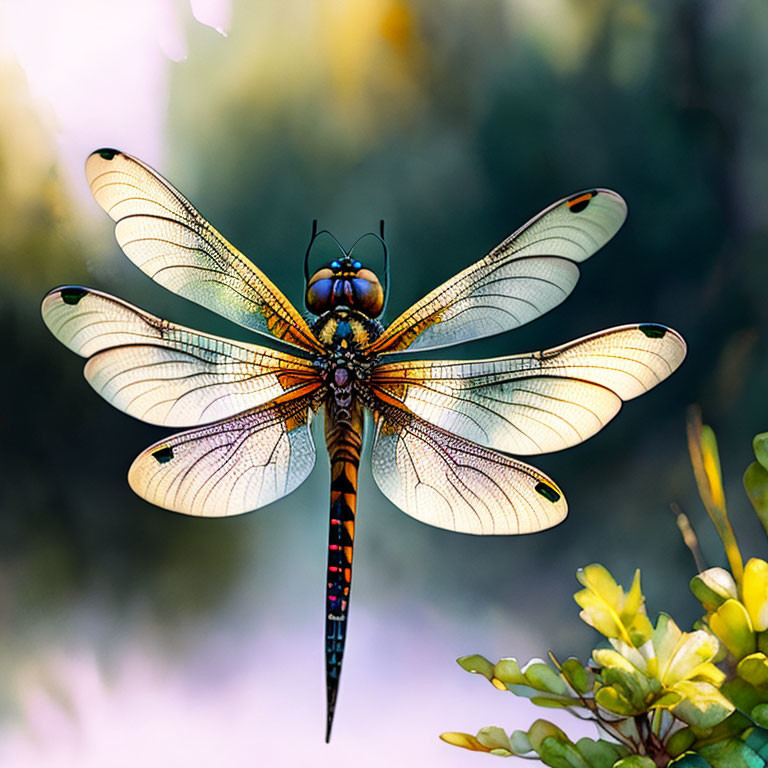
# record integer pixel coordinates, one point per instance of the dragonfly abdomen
(343, 434)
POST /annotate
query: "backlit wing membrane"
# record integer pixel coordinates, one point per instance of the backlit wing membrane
(539, 402)
(165, 236)
(451, 483)
(528, 274)
(164, 373)
(230, 467)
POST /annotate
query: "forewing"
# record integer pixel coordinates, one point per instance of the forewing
(539, 402)
(446, 481)
(230, 467)
(165, 236)
(528, 274)
(164, 373)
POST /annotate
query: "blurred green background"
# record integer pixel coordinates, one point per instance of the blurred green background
(133, 633)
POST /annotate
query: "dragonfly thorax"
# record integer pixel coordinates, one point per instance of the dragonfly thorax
(345, 333)
(345, 330)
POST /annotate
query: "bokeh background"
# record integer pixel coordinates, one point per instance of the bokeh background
(130, 635)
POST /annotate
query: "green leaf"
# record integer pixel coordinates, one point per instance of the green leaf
(702, 705)
(754, 669)
(615, 700)
(495, 739)
(680, 741)
(555, 703)
(743, 695)
(543, 729)
(527, 692)
(521, 744)
(625, 689)
(754, 592)
(577, 675)
(600, 753)
(731, 623)
(713, 587)
(635, 761)
(733, 753)
(561, 753)
(760, 715)
(756, 486)
(731, 726)
(477, 665)
(542, 677)
(508, 671)
(667, 700)
(760, 445)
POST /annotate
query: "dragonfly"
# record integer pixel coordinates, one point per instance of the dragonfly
(445, 431)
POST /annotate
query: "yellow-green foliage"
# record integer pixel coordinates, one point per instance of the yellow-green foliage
(660, 695)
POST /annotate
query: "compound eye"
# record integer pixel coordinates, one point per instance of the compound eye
(356, 265)
(319, 294)
(335, 264)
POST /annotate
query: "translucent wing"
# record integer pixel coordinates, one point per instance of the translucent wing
(163, 234)
(230, 467)
(528, 274)
(446, 481)
(539, 402)
(164, 373)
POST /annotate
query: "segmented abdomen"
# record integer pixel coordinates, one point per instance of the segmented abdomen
(343, 434)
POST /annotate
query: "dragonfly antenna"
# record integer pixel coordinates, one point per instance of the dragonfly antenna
(380, 238)
(309, 248)
(385, 285)
(315, 235)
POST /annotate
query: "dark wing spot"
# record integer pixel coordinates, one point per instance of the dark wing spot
(72, 295)
(548, 492)
(163, 455)
(106, 153)
(653, 330)
(580, 202)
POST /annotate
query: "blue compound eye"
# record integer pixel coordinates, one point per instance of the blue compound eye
(356, 265)
(335, 264)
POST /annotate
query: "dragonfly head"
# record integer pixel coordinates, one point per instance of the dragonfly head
(345, 282)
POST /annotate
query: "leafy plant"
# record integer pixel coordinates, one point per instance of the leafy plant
(660, 696)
